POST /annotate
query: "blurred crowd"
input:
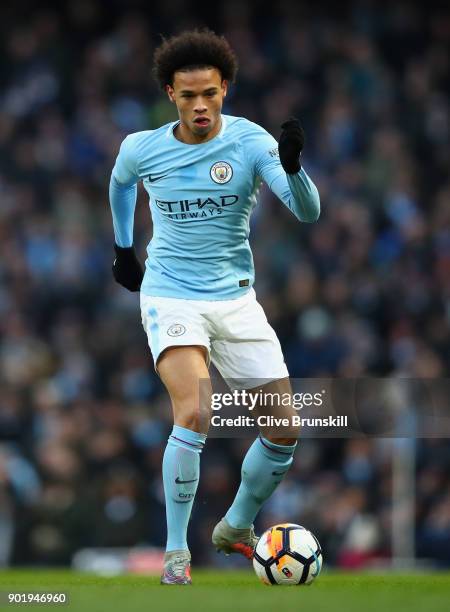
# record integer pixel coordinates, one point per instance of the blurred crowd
(363, 292)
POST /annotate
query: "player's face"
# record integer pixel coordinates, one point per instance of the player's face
(198, 95)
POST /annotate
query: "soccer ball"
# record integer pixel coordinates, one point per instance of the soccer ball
(287, 554)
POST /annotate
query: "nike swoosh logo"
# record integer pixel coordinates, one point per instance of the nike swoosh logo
(279, 473)
(178, 481)
(155, 178)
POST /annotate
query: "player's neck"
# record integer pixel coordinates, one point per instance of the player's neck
(184, 134)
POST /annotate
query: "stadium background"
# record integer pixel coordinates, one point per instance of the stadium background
(365, 291)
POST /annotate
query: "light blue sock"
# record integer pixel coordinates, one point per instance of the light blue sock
(263, 469)
(181, 471)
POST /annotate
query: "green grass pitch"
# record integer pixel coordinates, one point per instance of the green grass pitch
(235, 591)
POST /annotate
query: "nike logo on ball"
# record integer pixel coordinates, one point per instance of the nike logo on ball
(178, 481)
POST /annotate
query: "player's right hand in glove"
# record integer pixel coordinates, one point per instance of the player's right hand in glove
(127, 269)
(292, 141)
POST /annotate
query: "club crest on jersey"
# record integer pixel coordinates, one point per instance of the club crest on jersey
(221, 172)
(176, 330)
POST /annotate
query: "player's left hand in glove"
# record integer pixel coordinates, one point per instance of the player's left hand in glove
(291, 144)
(127, 269)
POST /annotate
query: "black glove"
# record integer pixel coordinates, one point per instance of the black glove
(127, 269)
(291, 144)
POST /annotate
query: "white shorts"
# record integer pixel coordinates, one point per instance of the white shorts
(236, 334)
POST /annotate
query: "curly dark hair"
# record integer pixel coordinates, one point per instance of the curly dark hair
(194, 49)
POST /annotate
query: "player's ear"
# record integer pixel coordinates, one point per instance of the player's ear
(170, 93)
(224, 88)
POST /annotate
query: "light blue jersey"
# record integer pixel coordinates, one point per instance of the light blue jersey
(201, 198)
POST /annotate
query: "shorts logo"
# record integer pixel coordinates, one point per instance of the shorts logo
(176, 330)
(221, 172)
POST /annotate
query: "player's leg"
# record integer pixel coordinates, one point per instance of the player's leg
(184, 372)
(179, 343)
(252, 352)
(264, 466)
(269, 457)
(181, 369)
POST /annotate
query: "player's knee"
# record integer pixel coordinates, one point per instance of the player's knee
(287, 435)
(283, 441)
(192, 416)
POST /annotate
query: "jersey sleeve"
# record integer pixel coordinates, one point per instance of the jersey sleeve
(296, 191)
(123, 193)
